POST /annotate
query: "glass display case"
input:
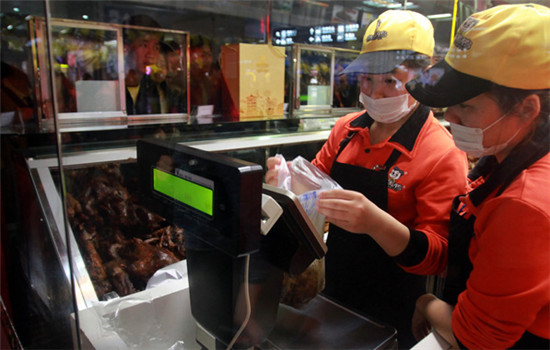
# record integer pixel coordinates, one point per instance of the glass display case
(319, 85)
(107, 73)
(72, 77)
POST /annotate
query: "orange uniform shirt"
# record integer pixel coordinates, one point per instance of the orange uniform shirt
(508, 291)
(430, 172)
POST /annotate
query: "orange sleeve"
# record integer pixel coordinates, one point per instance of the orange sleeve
(508, 291)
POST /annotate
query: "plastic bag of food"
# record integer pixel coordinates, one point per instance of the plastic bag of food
(299, 290)
(306, 181)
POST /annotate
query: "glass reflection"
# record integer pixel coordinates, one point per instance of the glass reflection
(85, 66)
(154, 69)
(315, 71)
(346, 86)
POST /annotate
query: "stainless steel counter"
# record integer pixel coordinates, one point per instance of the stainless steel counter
(321, 324)
(324, 324)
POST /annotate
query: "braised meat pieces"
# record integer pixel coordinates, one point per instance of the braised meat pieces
(122, 243)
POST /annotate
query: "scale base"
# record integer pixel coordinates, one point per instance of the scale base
(207, 341)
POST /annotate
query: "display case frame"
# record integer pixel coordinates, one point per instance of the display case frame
(316, 109)
(45, 86)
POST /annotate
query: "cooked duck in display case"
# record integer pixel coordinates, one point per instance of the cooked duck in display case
(122, 243)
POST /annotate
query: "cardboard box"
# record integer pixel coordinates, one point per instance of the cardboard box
(253, 77)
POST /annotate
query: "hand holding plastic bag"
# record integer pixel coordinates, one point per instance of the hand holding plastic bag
(306, 181)
(301, 176)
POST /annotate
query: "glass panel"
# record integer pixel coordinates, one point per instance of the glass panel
(132, 70)
(154, 65)
(86, 68)
(346, 86)
(18, 98)
(315, 77)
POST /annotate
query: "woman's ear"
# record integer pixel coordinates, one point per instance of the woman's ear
(529, 108)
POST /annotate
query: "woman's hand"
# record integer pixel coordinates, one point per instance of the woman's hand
(432, 312)
(353, 212)
(272, 174)
(421, 327)
(349, 210)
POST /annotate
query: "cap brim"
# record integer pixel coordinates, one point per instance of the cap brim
(443, 86)
(378, 62)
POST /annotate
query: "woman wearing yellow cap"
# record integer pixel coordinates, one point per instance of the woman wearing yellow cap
(400, 168)
(495, 81)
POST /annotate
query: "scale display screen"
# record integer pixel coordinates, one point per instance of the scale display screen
(216, 199)
(189, 189)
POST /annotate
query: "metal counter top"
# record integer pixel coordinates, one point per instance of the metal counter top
(216, 145)
(321, 324)
(324, 324)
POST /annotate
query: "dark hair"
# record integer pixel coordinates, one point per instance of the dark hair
(131, 34)
(199, 40)
(143, 21)
(509, 98)
(170, 46)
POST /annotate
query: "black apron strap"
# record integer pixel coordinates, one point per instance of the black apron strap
(392, 158)
(459, 265)
(389, 162)
(531, 341)
(345, 142)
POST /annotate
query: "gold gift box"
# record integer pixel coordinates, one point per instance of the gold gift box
(253, 76)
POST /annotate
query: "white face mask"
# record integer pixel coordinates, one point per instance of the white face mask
(470, 140)
(387, 110)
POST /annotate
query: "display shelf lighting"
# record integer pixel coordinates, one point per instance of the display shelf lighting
(389, 4)
(440, 16)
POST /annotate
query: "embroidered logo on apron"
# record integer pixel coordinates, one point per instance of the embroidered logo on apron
(394, 175)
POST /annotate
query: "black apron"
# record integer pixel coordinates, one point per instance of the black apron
(359, 274)
(461, 228)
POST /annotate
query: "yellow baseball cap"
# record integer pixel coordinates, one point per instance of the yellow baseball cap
(507, 45)
(395, 36)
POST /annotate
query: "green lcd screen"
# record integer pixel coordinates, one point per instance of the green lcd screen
(184, 191)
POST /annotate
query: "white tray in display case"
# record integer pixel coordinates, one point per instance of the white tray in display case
(155, 318)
